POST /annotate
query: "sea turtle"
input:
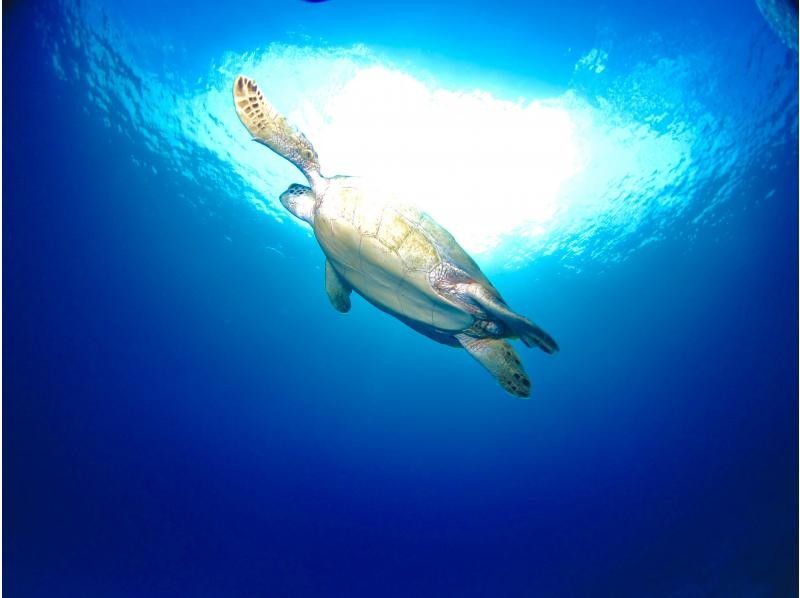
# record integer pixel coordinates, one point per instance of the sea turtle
(395, 256)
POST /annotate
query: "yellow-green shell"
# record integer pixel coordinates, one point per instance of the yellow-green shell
(386, 252)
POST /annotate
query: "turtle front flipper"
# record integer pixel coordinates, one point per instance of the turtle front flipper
(269, 127)
(527, 331)
(501, 360)
(338, 290)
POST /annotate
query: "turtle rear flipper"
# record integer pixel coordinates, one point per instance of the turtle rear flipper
(269, 127)
(527, 331)
(497, 356)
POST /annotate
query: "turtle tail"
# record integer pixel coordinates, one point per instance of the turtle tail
(269, 127)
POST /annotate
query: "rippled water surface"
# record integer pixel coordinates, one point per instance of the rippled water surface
(645, 133)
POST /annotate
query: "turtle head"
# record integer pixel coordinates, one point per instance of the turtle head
(299, 200)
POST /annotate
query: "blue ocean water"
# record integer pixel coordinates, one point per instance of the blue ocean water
(185, 415)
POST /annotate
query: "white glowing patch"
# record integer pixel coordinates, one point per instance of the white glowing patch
(484, 167)
(481, 166)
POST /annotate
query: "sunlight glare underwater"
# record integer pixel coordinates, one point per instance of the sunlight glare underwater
(488, 168)
(613, 159)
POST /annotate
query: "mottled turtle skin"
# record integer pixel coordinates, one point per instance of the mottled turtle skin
(394, 255)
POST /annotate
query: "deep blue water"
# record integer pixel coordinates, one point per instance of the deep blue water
(185, 415)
